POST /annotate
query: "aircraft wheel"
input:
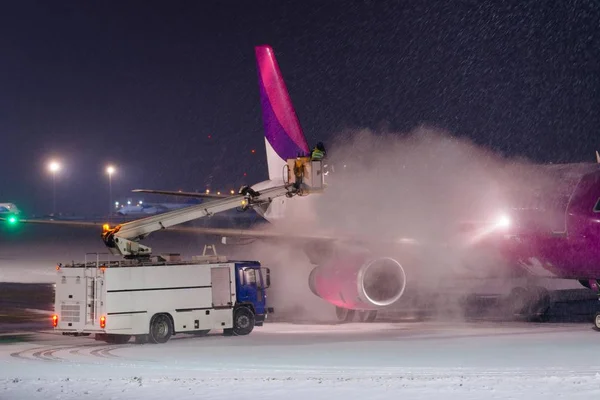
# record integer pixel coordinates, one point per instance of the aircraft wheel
(367, 316)
(371, 316)
(344, 314)
(597, 321)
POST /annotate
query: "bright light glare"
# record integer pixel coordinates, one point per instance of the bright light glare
(110, 170)
(503, 221)
(54, 166)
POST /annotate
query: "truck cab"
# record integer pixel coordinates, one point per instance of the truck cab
(251, 282)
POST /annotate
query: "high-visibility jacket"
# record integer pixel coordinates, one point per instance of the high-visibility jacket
(298, 168)
(317, 154)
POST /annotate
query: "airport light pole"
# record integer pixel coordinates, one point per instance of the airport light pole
(54, 167)
(110, 170)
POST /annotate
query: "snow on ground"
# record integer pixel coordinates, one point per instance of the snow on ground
(353, 361)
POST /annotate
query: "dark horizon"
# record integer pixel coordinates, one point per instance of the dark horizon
(168, 92)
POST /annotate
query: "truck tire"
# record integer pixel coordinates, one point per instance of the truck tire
(243, 321)
(161, 329)
(117, 339)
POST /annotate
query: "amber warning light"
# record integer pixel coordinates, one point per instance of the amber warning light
(102, 322)
(54, 320)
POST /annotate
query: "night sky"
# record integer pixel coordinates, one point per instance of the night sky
(143, 85)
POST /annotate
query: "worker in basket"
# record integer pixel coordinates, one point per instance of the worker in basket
(318, 152)
(298, 172)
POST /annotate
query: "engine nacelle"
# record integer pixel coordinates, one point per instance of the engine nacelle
(359, 282)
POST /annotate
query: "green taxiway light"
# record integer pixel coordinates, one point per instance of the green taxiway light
(12, 220)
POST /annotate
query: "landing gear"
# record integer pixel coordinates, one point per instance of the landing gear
(597, 321)
(593, 284)
(344, 314)
(367, 316)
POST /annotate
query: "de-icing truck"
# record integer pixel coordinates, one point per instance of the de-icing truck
(154, 297)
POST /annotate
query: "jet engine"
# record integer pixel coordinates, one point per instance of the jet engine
(359, 282)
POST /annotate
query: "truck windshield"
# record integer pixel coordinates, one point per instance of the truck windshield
(253, 276)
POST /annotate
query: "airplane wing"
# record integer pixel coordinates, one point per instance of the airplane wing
(183, 194)
(58, 222)
(270, 234)
(283, 236)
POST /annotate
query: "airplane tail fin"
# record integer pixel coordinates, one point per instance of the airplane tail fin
(284, 138)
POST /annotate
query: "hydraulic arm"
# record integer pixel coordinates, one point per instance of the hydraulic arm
(123, 239)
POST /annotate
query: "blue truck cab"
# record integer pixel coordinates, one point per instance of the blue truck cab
(252, 280)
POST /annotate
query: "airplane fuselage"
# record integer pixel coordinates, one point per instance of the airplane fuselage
(561, 235)
(558, 235)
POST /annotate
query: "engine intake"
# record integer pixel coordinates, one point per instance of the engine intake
(358, 282)
(382, 281)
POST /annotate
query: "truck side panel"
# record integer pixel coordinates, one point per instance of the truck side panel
(221, 287)
(134, 295)
(202, 319)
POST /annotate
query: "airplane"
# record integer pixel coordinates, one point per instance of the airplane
(555, 237)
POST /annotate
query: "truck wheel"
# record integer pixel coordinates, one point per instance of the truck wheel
(597, 321)
(117, 339)
(161, 329)
(243, 321)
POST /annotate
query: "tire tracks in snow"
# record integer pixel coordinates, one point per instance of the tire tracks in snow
(53, 353)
